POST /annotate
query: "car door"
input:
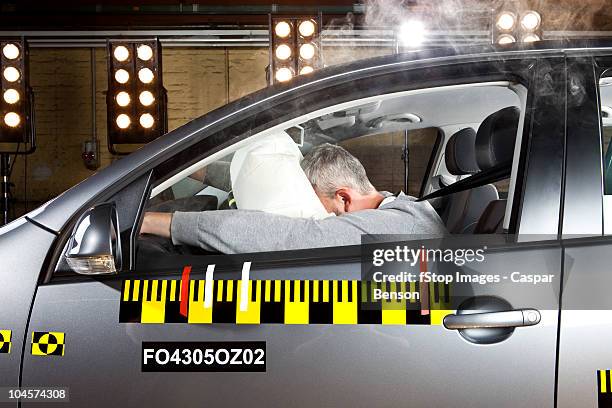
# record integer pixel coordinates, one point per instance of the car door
(585, 360)
(320, 352)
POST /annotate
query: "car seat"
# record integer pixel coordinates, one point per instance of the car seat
(464, 208)
(495, 147)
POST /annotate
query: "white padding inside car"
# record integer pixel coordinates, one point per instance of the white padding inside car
(267, 176)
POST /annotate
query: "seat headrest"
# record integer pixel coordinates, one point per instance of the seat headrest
(460, 153)
(495, 138)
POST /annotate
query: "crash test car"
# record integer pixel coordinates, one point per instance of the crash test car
(519, 150)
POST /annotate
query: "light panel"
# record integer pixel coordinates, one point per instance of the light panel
(136, 99)
(512, 24)
(16, 124)
(295, 46)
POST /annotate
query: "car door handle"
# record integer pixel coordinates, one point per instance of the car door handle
(510, 318)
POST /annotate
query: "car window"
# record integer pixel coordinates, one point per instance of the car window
(406, 154)
(374, 131)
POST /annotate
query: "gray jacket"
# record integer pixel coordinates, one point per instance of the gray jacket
(243, 231)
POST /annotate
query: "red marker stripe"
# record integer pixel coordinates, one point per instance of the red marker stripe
(185, 290)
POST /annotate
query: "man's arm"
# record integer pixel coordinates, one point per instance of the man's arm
(242, 231)
(156, 223)
(235, 231)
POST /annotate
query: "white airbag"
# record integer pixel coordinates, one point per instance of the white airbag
(267, 176)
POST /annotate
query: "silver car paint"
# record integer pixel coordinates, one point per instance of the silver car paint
(308, 365)
(23, 248)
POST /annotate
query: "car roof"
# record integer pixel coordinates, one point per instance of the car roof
(464, 50)
(54, 215)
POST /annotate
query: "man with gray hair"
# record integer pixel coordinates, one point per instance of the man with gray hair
(339, 179)
(342, 185)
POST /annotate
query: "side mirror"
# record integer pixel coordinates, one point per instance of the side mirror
(95, 246)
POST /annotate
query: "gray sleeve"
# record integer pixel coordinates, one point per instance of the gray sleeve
(243, 231)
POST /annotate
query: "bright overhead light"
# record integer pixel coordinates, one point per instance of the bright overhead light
(283, 52)
(11, 74)
(412, 33)
(145, 75)
(10, 51)
(144, 52)
(146, 120)
(306, 28)
(505, 39)
(121, 53)
(307, 69)
(146, 98)
(12, 119)
(11, 96)
(530, 38)
(123, 98)
(506, 21)
(123, 121)
(283, 74)
(307, 51)
(122, 76)
(531, 20)
(282, 29)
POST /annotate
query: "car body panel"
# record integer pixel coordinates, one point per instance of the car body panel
(23, 249)
(586, 316)
(307, 365)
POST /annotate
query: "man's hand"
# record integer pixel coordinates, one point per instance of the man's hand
(156, 223)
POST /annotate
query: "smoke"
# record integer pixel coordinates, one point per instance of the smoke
(575, 15)
(378, 29)
(451, 23)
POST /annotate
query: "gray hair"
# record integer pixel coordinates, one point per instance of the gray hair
(330, 167)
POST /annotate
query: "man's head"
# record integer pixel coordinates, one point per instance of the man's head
(339, 179)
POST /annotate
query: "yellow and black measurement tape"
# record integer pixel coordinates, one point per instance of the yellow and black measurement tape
(280, 302)
(604, 388)
(48, 343)
(5, 341)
